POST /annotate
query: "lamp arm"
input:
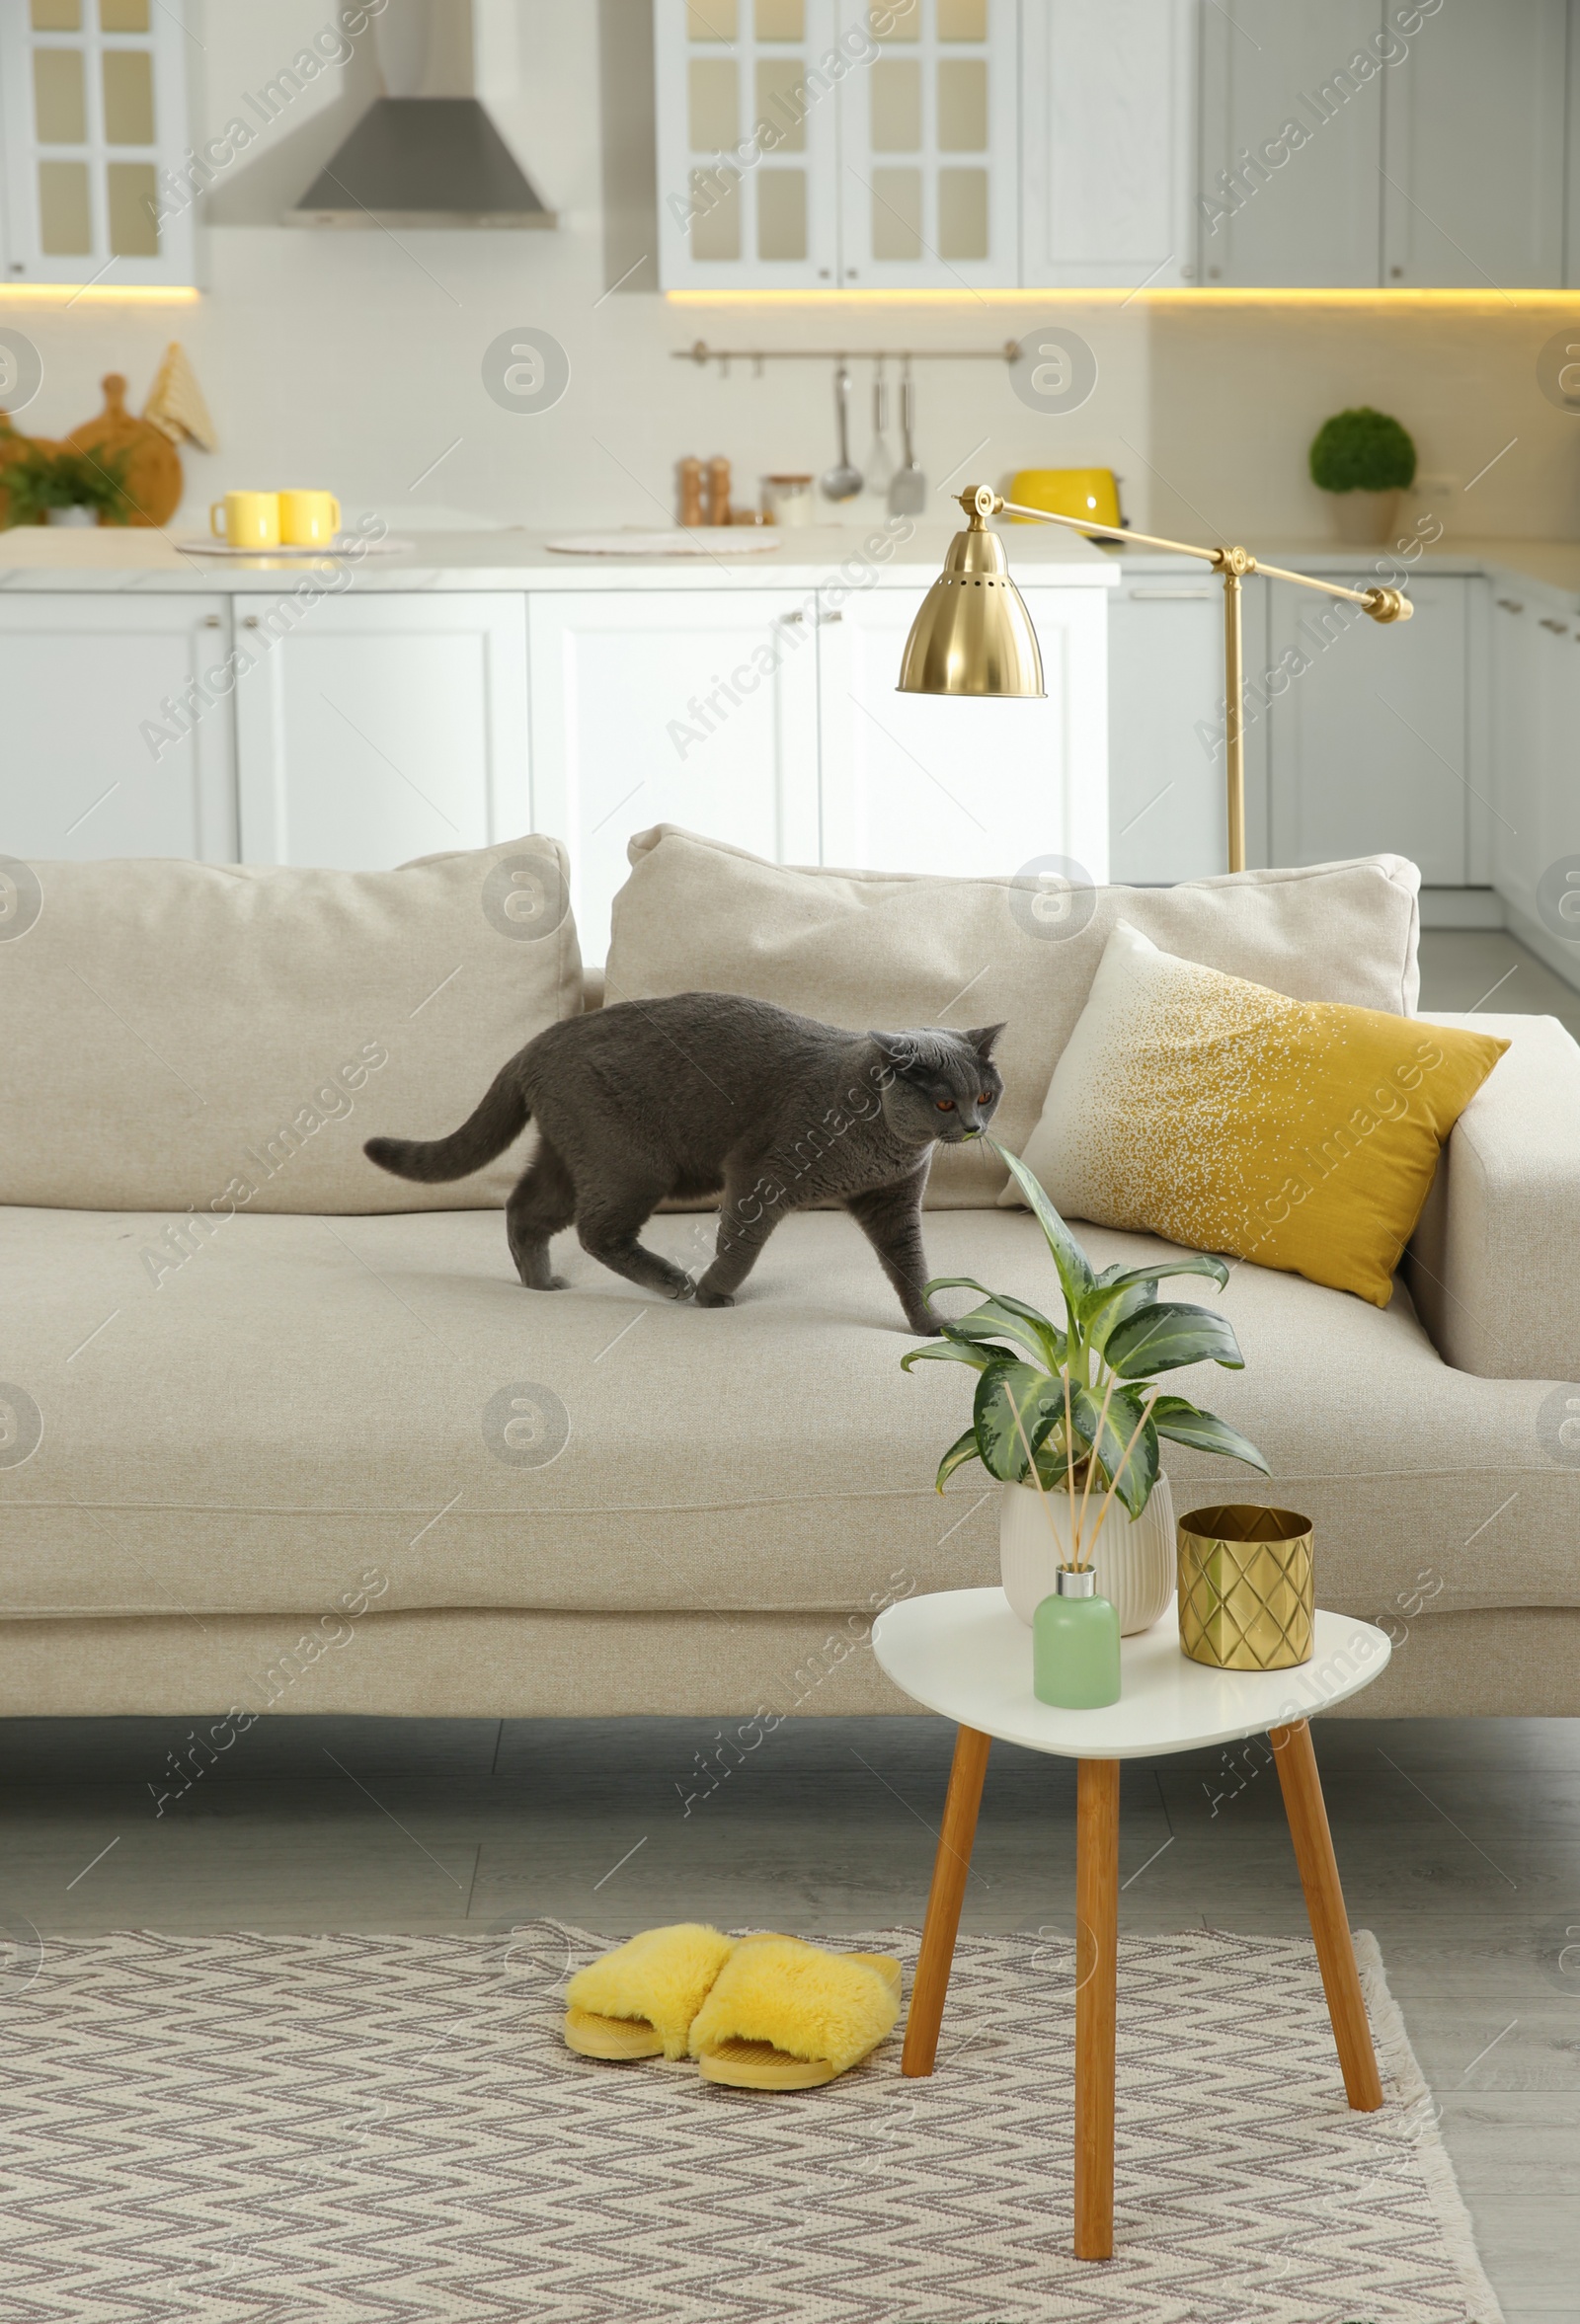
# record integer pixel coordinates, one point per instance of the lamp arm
(1381, 604)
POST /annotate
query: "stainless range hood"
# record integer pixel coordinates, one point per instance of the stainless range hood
(426, 152)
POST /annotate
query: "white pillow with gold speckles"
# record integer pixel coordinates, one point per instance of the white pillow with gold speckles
(1226, 1117)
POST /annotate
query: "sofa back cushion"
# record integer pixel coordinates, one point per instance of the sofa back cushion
(892, 950)
(180, 1034)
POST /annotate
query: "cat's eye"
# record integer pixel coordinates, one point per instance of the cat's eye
(985, 1096)
(945, 1105)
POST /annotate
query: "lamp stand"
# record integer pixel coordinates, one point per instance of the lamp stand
(979, 502)
(1234, 721)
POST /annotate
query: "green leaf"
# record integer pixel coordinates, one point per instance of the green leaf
(1185, 1423)
(949, 1351)
(1075, 1275)
(1016, 1407)
(974, 1334)
(1139, 1473)
(1016, 1321)
(1115, 1281)
(963, 1449)
(1030, 1326)
(1123, 1302)
(1163, 1337)
(1159, 1272)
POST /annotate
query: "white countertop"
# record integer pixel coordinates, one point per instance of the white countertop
(115, 558)
(1550, 564)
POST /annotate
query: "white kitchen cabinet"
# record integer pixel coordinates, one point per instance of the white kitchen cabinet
(1169, 817)
(1108, 160)
(930, 177)
(375, 728)
(863, 144)
(688, 706)
(97, 181)
(1291, 143)
(1535, 795)
(1379, 743)
(1488, 81)
(914, 782)
(118, 727)
(1518, 666)
(747, 143)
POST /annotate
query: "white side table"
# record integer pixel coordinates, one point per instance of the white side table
(963, 1652)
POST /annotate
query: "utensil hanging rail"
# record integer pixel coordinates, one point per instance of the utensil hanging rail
(699, 352)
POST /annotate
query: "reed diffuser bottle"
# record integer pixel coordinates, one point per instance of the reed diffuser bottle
(1074, 1644)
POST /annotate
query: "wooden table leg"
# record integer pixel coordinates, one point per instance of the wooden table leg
(950, 1868)
(1096, 1968)
(1324, 1901)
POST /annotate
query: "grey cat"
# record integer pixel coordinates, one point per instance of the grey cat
(710, 1093)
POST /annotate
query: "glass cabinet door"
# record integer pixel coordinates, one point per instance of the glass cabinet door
(929, 189)
(748, 102)
(94, 124)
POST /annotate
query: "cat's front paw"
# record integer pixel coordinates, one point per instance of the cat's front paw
(707, 1298)
(925, 1326)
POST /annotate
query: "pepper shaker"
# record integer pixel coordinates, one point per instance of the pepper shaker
(691, 473)
(718, 492)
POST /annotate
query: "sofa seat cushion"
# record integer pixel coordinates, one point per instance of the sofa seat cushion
(314, 1408)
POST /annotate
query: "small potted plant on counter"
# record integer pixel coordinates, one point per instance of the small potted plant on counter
(1365, 461)
(1069, 1418)
(55, 484)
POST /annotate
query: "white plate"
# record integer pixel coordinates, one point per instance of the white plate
(343, 544)
(702, 540)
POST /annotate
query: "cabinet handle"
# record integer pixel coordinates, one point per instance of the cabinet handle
(828, 620)
(210, 621)
(251, 621)
(1559, 629)
(1510, 604)
(788, 618)
(1182, 596)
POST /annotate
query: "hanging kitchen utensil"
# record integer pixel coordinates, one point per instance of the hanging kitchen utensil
(907, 494)
(842, 481)
(879, 460)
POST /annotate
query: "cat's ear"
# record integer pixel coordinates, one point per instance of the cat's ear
(898, 1047)
(982, 1038)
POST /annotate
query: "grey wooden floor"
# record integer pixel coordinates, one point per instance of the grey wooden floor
(1458, 1842)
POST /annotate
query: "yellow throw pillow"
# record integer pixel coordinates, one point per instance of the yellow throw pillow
(1300, 1135)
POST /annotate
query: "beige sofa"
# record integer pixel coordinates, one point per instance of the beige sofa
(268, 1443)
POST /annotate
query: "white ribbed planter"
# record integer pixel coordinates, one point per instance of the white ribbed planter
(1133, 1559)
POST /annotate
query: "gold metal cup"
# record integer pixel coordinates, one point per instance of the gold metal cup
(1246, 1592)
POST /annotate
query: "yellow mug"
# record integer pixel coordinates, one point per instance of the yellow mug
(251, 520)
(308, 520)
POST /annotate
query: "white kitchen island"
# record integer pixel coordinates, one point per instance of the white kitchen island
(360, 711)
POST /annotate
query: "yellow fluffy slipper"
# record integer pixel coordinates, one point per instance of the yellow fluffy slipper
(783, 2015)
(640, 2000)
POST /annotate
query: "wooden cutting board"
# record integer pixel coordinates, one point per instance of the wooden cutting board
(153, 465)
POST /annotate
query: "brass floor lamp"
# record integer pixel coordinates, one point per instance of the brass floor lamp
(974, 636)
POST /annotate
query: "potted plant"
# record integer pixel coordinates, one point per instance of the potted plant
(55, 484)
(1069, 1418)
(1365, 461)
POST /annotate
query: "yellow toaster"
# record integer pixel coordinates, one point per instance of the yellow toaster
(1068, 491)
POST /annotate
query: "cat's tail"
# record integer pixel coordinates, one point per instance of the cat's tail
(499, 1119)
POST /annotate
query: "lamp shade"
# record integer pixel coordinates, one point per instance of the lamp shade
(972, 633)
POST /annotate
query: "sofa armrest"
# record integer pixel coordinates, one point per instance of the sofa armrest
(1494, 1264)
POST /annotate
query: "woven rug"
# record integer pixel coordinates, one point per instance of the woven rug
(246, 2130)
